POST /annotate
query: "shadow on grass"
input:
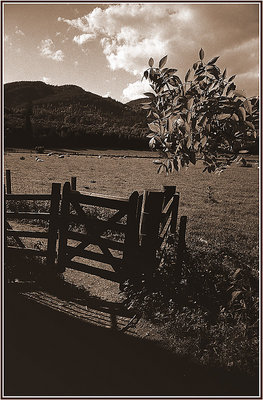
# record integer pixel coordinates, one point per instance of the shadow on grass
(50, 353)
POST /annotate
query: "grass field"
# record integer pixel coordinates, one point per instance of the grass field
(223, 221)
(217, 206)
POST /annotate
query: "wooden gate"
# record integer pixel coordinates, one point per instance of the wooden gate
(94, 240)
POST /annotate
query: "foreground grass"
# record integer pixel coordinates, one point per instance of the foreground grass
(212, 312)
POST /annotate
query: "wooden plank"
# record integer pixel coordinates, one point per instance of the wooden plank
(8, 181)
(131, 243)
(27, 215)
(168, 207)
(109, 275)
(75, 252)
(63, 228)
(174, 213)
(99, 201)
(150, 229)
(28, 196)
(26, 252)
(73, 182)
(32, 234)
(166, 227)
(96, 240)
(53, 224)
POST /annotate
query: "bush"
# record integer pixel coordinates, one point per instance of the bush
(210, 310)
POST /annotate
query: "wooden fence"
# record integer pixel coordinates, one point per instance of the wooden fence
(125, 241)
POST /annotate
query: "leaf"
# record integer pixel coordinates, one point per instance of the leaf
(151, 62)
(213, 60)
(196, 145)
(236, 272)
(235, 117)
(250, 125)
(187, 75)
(145, 74)
(162, 62)
(195, 65)
(203, 141)
(243, 151)
(224, 74)
(189, 142)
(154, 127)
(248, 106)
(190, 103)
(243, 112)
(231, 78)
(149, 94)
(192, 157)
(187, 127)
(220, 117)
(146, 106)
(152, 143)
(160, 169)
(235, 294)
(201, 54)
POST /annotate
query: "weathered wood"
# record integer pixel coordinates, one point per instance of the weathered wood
(32, 234)
(182, 231)
(53, 224)
(63, 228)
(73, 182)
(8, 181)
(174, 213)
(131, 243)
(28, 196)
(26, 251)
(99, 201)
(181, 244)
(75, 252)
(115, 245)
(151, 217)
(27, 215)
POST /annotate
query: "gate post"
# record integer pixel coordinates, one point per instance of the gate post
(53, 224)
(131, 244)
(151, 219)
(63, 228)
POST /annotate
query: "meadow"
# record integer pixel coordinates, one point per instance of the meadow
(212, 314)
(217, 206)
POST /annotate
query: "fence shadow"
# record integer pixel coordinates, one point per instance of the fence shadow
(49, 353)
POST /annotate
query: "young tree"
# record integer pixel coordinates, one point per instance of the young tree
(202, 116)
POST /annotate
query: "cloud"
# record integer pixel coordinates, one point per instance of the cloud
(47, 49)
(135, 90)
(6, 38)
(76, 63)
(46, 79)
(86, 37)
(107, 94)
(130, 34)
(19, 32)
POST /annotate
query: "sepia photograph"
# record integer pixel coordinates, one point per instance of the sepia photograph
(131, 199)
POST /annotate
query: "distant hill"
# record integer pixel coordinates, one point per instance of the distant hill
(38, 113)
(136, 104)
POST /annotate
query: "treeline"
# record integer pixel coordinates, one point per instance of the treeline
(43, 115)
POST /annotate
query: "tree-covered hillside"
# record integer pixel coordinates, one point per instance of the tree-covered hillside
(40, 114)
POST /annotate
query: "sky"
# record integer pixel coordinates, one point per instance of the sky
(104, 48)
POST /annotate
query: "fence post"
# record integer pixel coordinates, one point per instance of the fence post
(181, 244)
(53, 224)
(174, 212)
(131, 244)
(8, 181)
(151, 218)
(63, 228)
(73, 182)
